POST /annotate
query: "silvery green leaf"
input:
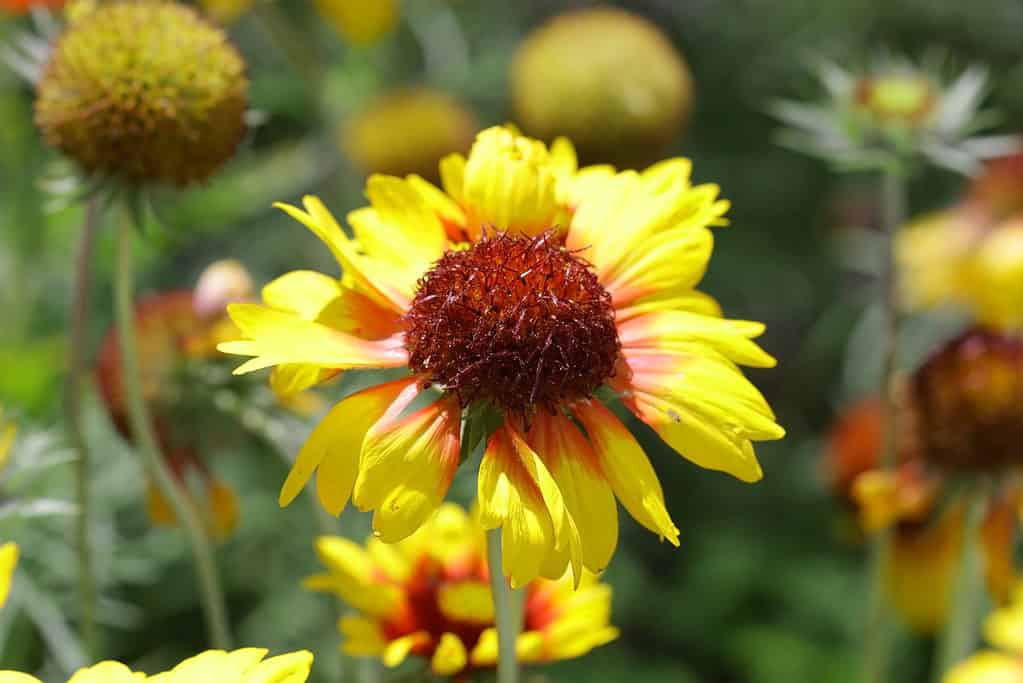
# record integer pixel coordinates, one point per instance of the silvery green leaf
(994, 146)
(955, 159)
(37, 507)
(960, 100)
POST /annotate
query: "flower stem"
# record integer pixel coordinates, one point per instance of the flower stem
(878, 631)
(507, 612)
(959, 636)
(78, 328)
(211, 597)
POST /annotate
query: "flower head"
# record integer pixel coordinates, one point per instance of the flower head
(513, 297)
(145, 91)
(631, 91)
(407, 130)
(429, 596)
(176, 330)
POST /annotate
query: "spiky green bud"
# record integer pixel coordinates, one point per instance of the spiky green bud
(145, 91)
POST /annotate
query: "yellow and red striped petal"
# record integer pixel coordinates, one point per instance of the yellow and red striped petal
(582, 622)
(688, 300)
(384, 283)
(407, 465)
(702, 406)
(674, 260)
(518, 495)
(277, 337)
(675, 329)
(450, 656)
(338, 440)
(587, 494)
(627, 468)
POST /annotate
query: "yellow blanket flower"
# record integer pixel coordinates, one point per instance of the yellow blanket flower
(516, 293)
(429, 596)
(246, 665)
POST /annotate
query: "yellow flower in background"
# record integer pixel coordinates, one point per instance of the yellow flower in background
(1003, 630)
(8, 430)
(358, 21)
(971, 255)
(246, 665)
(429, 596)
(512, 297)
(407, 130)
(606, 78)
(8, 561)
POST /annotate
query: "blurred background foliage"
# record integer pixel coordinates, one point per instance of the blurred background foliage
(769, 585)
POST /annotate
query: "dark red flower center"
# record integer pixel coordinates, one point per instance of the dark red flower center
(519, 322)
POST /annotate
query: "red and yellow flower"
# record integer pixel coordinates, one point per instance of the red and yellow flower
(516, 292)
(429, 596)
(174, 328)
(972, 254)
(959, 417)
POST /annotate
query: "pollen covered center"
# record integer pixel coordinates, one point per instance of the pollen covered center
(516, 321)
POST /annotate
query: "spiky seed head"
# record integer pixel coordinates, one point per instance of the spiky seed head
(608, 80)
(145, 91)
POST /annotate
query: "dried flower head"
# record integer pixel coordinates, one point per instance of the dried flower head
(145, 91)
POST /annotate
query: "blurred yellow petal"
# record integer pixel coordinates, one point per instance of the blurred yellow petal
(338, 439)
(17, 677)
(450, 657)
(627, 468)
(363, 637)
(353, 577)
(397, 650)
(986, 667)
(224, 508)
(932, 254)
(485, 652)
(407, 465)
(8, 561)
(292, 667)
(7, 434)
(996, 277)
(106, 672)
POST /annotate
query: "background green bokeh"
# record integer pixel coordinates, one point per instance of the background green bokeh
(769, 583)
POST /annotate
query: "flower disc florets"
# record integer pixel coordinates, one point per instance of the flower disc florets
(517, 321)
(145, 91)
(967, 403)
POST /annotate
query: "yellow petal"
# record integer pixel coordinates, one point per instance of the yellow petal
(400, 226)
(363, 637)
(582, 483)
(292, 667)
(397, 650)
(627, 469)
(291, 379)
(485, 651)
(509, 184)
(670, 260)
(338, 439)
(106, 672)
(374, 279)
(279, 337)
(518, 495)
(353, 577)
(450, 657)
(305, 292)
(407, 465)
(469, 601)
(676, 329)
(17, 677)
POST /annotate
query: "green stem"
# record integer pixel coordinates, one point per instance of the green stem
(78, 329)
(212, 598)
(959, 637)
(877, 643)
(507, 612)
